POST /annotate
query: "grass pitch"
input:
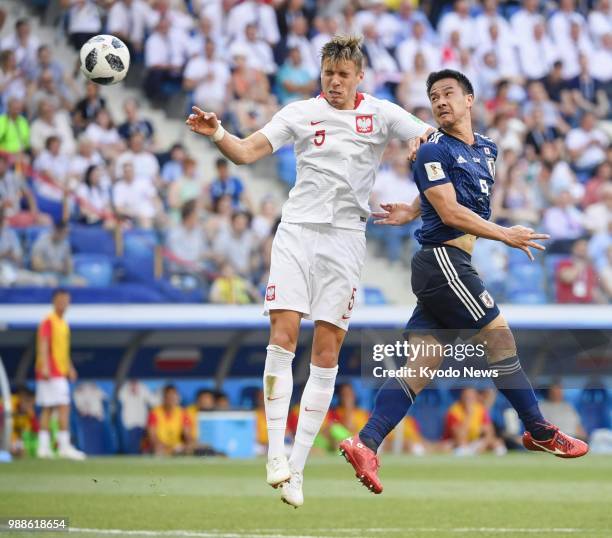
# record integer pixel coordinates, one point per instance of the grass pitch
(437, 496)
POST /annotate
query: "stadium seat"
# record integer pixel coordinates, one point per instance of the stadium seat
(91, 240)
(93, 436)
(594, 407)
(527, 297)
(374, 296)
(97, 269)
(525, 284)
(285, 165)
(429, 411)
(139, 255)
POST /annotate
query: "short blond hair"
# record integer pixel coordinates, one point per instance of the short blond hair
(343, 48)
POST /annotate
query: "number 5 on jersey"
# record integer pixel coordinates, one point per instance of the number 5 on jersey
(319, 137)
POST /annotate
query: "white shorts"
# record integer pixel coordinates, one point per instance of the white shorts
(52, 392)
(315, 269)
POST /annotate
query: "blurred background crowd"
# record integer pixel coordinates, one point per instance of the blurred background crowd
(94, 195)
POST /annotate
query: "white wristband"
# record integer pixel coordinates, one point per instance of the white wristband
(218, 134)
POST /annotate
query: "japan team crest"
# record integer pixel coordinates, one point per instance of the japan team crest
(364, 124)
(486, 299)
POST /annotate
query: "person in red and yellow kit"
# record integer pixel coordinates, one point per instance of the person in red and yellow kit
(169, 427)
(468, 428)
(53, 371)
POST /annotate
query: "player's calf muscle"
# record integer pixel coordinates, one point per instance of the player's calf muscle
(498, 339)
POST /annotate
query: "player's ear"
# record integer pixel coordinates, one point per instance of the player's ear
(469, 100)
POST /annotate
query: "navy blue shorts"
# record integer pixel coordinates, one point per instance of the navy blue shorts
(452, 299)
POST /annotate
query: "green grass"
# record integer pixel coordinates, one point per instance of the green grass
(435, 496)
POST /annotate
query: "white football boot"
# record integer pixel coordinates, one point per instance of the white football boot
(291, 492)
(44, 452)
(71, 453)
(278, 471)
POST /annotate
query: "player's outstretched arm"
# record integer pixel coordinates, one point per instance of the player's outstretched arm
(398, 213)
(237, 150)
(444, 200)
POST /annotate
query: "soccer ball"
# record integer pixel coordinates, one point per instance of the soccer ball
(105, 59)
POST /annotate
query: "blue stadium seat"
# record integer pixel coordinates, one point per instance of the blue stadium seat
(374, 296)
(97, 269)
(248, 396)
(594, 407)
(527, 297)
(91, 240)
(139, 255)
(285, 165)
(528, 277)
(429, 411)
(93, 436)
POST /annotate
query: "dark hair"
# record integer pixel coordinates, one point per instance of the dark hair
(21, 22)
(461, 79)
(167, 388)
(88, 174)
(188, 208)
(201, 392)
(50, 139)
(59, 291)
(60, 225)
(243, 213)
(221, 162)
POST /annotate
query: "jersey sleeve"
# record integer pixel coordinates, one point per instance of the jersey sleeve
(402, 124)
(278, 130)
(430, 168)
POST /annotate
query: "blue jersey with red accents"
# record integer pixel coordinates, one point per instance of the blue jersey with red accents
(471, 170)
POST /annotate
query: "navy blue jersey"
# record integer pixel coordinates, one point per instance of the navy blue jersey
(471, 170)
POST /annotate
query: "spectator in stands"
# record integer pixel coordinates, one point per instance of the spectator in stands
(84, 21)
(539, 132)
(48, 90)
(189, 250)
(169, 427)
(468, 429)
(173, 167)
(563, 221)
(85, 157)
(51, 256)
(294, 80)
(265, 221)
(22, 43)
(146, 165)
(209, 78)
(598, 216)
(348, 413)
(598, 246)
(524, 20)
(562, 413)
(14, 190)
(231, 288)
(220, 220)
(14, 129)
(594, 187)
(576, 279)
(257, 51)
(188, 187)
(254, 109)
(537, 52)
(605, 276)
(587, 145)
(245, 77)
(12, 80)
(51, 163)
(130, 20)
(256, 13)
(104, 135)
(95, 207)
(53, 370)
(411, 92)
(135, 124)
(135, 199)
(238, 244)
(588, 93)
(225, 183)
(459, 20)
(417, 43)
(164, 58)
(52, 122)
(86, 109)
(12, 272)
(46, 62)
(513, 201)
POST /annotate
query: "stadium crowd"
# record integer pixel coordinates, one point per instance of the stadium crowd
(543, 78)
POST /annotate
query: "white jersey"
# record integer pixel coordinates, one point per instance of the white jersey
(338, 153)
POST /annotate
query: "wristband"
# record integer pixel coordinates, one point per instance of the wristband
(218, 135)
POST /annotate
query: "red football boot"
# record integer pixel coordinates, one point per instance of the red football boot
(364, 461)
(560, 444)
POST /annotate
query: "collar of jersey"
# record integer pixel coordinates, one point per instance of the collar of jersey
(474, 145)
(358, 98)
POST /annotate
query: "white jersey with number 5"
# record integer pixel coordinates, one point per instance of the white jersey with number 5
(338, 153)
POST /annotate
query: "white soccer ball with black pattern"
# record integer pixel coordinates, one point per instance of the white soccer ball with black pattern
(105, 59)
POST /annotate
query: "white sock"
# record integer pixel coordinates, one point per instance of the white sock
(316, 398)
(63, 440)
(278, 386)
(44, 441)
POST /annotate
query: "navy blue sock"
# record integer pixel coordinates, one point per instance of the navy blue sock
(512, 382)
(392, 402)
